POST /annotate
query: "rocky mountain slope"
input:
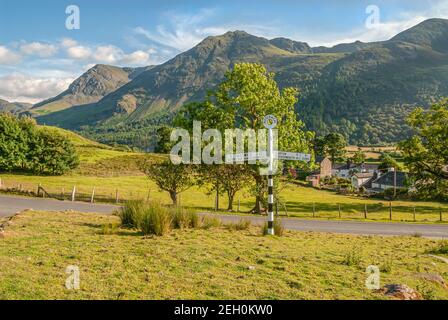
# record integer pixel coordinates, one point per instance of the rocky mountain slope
(363, 90)
(91, 87)
(14, 107)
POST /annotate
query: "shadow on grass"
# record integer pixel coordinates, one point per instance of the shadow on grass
(120, 231)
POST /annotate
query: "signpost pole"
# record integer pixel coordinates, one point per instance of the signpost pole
(271, 183)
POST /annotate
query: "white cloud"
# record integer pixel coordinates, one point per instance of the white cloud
(31, 89)
(8, 57)
(40, 49)
(114, 55)
(137, 58)
(67, 43)
(182, 32)
(79, 52)
(107, 54)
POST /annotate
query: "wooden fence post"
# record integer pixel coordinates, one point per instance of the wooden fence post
(339, 208)
(414, 216)
(74, 194)
(116, 195)
(238, 205)
(92, 198)
(314, 209)
(38, 190)
(62, 193)
(441, 214)
(390, 210)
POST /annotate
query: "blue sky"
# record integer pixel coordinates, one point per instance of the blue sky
(39, 56)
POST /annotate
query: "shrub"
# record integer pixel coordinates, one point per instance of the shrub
(40, 150)
(243, 224)
(278, 228)
(130, 212)
(51, 153)
(183, 219)
(208, 222)
(155, 219)
(352, 258)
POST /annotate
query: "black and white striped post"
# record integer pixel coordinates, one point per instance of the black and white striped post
(270, 122)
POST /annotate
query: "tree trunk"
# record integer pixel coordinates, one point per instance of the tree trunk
(173, 196)
(231, 196)
(217, 197)
(258, 199)
(258, 206)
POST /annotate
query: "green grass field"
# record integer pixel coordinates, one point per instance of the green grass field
(217, 263)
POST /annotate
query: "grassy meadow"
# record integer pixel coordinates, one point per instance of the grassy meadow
(215, 263)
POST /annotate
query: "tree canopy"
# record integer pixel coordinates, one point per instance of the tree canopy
(26, 147)
(425, 153)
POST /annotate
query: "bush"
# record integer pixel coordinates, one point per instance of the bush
(50, 153)
(278, 228)
(243, 224)
(130, 212)
(352, 258)
(210, 222)
(155, 219)
(184, 219)
(40, 150)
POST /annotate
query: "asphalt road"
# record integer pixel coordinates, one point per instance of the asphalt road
(10, 205)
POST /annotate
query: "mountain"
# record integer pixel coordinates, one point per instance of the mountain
(188, 76)
(91, 87)
(363, 90)
(14, 107)
(344, 47)
(291, 45)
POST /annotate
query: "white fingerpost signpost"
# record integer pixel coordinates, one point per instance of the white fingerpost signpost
(270, 123)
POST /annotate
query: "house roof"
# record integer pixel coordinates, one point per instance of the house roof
(353, 166)
(387, 179)
(363, 175)
(319, 159)
(368, 184)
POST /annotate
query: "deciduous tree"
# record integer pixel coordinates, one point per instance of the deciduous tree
(426, 152)
(169, 177)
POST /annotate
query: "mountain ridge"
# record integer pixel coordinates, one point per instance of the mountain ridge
(343, 88)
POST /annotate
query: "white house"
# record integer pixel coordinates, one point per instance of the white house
(359, 179)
